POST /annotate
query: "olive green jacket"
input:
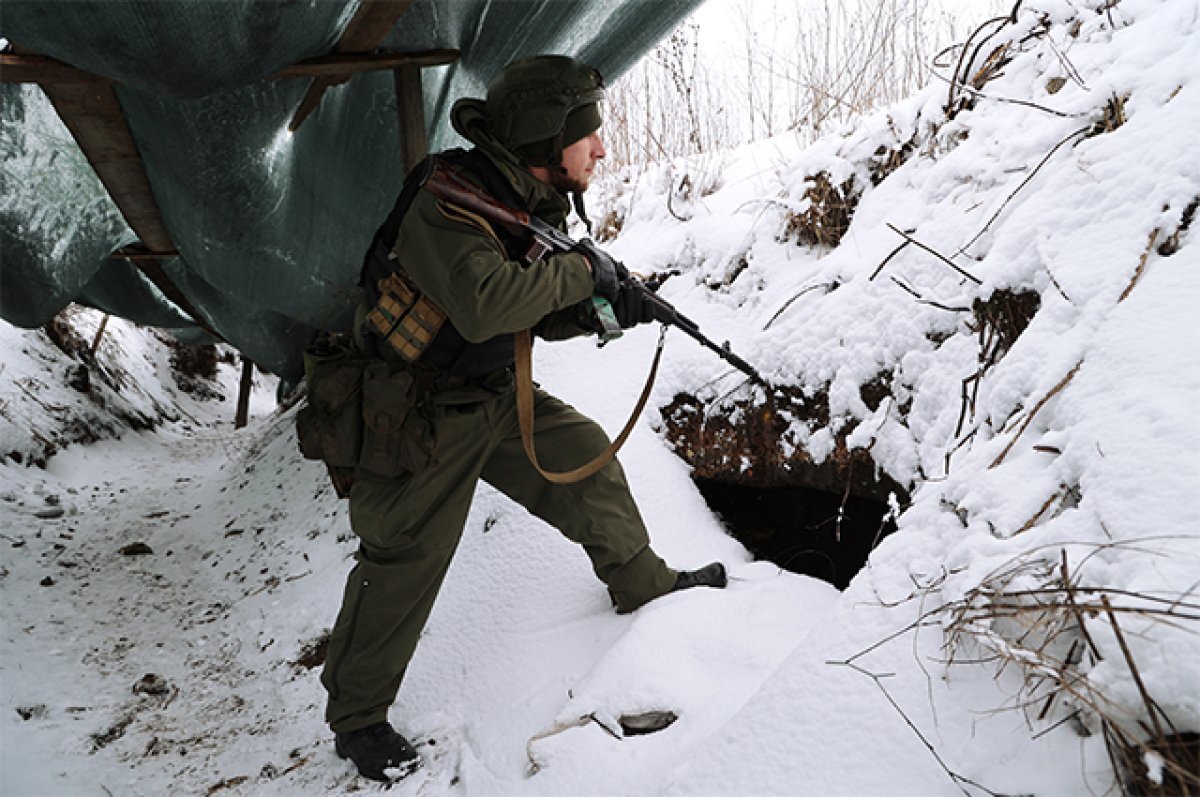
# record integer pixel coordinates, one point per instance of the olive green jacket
(457, 259)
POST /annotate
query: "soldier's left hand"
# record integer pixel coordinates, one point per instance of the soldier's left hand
(634, 305)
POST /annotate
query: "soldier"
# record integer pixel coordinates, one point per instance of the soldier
(450, 414)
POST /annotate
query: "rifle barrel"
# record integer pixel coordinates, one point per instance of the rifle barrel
(666, 313)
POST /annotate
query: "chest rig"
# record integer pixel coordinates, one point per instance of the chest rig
(408, 324)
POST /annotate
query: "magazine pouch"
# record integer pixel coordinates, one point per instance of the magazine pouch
(397, 438)
(330, 424)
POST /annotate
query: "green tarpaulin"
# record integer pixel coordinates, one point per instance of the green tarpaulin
(271, 226)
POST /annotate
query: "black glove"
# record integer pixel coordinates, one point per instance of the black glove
(607, 274)
(633, 305)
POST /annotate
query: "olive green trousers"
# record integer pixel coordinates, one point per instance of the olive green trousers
(410, 526)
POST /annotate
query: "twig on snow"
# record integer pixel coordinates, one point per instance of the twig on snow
(886, 260)
(935, 253)
(1014, 101)
(1069, 67)
(1141, 267)
(922, 300)
(1025, 182)
(1152, 707)
(959, 780)
(1033, 412)
(959, 69)
(828, 286)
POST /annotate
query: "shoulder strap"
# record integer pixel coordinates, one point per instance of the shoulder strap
(375, 264)
(385, 234)
(524, 363)
(491, 179)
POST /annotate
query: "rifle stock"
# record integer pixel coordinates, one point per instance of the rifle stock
(544, 239)
(450, 187)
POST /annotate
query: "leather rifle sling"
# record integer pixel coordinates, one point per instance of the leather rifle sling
(524, 364)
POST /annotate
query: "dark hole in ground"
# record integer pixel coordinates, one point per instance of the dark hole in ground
(798, 528)
(647, 722)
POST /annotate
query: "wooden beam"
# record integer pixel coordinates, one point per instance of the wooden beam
(88, 107)
(371, 23)
(410, 102)
(349, 64)
(30, 68)
(136, 253)
(99, 335)
(91, 111)
(154, 272)
(149, 264)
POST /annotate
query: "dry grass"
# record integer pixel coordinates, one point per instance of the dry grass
(1035, 617)
(62, 333)
(1000, 319)
(826, 215)
(1039, 618)
(814, 68)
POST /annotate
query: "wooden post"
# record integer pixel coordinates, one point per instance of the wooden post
(99, 335)
(410, 102)
(243, 402)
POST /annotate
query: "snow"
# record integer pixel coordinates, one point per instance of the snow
(181, 670)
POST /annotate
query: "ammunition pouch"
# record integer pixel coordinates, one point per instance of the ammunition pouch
(405, 319)
(329, 425)
(397, 437)
(360, 415)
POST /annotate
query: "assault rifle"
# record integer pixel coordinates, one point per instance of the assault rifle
(545, 239)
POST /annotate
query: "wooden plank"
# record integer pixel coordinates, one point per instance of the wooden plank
(371, 23)
(312, 99)
(90, 110)
(30, 68)
(128, 253)
(154, 272)
(410, 102)
(349, 64)
(95, 118)
(149, 264)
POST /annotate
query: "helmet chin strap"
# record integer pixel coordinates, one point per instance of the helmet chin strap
(555, 164)
(576, 196)
(577, 203)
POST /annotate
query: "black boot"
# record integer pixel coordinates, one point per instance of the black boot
(378, 751)
(711, 575)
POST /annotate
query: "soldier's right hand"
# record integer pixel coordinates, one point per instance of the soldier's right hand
(607, 273)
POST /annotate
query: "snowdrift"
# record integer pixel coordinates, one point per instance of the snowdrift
(987, 294)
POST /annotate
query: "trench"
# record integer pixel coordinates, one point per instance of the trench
(820, 516)
(799, 528)
(821, 519)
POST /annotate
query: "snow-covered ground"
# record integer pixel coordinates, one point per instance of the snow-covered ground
(163, 590)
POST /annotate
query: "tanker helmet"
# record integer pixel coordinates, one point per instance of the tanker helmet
(538, 105)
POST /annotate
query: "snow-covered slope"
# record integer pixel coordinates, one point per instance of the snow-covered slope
(955, 663)
(1037, 334)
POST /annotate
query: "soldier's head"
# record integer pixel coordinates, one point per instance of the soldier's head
(546, 110)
